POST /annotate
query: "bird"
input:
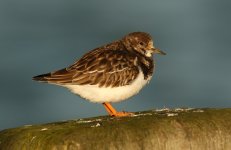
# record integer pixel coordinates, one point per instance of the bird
(110, 73)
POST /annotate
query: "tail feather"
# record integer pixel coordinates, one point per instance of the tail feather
(42, 77)
(60, 76)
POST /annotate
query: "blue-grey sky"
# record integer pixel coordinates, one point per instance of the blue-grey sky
(42, 36)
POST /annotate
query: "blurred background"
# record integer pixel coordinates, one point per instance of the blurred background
(41, 36)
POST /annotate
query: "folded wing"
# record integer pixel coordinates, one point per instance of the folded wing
(109, 68)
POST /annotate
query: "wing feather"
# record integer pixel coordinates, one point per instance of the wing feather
(105, 68)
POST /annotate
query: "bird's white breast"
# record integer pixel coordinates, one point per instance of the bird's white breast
(97, 94)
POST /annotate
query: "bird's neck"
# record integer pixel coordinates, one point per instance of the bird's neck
(147, 66)
(146, 63)
(116, 45)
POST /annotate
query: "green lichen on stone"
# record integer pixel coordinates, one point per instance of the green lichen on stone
(154, 129)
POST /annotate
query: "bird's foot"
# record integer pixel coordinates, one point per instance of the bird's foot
(112, 111)
(122, 114)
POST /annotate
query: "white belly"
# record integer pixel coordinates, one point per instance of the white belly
(99, 95)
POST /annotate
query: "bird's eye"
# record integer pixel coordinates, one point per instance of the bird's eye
(142, 43)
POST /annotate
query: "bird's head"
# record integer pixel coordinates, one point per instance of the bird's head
(142, 43)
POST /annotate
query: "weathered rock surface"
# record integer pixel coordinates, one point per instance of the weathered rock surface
(194, 129)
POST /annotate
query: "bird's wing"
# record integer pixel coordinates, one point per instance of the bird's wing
(103, 68)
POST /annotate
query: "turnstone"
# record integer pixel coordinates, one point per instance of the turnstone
(110, 73)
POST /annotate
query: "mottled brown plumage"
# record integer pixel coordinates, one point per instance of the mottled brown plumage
(115, 64)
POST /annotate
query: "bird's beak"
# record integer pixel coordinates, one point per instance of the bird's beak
(158, 51)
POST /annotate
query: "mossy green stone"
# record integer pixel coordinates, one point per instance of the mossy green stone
(156, 129)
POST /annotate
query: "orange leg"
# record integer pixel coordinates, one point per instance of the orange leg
(113, 112)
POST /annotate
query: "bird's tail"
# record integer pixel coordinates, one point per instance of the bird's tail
(57, 77)
(42, 77)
